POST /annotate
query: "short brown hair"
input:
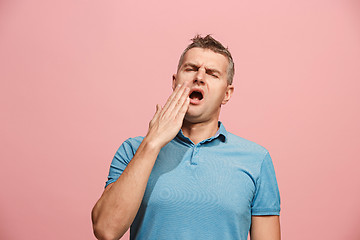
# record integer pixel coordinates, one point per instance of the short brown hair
(210, 43)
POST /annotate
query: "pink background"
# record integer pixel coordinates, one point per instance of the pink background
(79, 77)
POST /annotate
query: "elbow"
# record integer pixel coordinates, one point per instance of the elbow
(100, 231)
(106, 226)
(102, 234)
(105, 231)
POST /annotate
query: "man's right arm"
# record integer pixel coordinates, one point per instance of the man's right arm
(116, 209)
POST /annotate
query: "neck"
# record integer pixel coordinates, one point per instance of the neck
(198, 132)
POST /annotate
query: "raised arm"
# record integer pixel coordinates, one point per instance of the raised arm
(116, 209)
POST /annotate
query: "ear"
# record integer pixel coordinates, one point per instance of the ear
(228, 94)
(174, 81)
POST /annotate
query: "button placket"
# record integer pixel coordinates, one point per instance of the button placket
(195, 155)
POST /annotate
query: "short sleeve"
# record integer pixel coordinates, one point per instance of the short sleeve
(267, 197)
(121, 159)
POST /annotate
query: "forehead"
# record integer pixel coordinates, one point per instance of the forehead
(206, 58)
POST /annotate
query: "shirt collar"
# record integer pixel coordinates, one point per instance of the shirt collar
(221, 133)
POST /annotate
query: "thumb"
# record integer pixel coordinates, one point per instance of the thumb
(157, 113)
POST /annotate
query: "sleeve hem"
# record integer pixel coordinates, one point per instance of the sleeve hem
(266, 212)
(277, 213)
(110, 181)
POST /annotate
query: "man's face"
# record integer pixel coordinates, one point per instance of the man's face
(207, 72)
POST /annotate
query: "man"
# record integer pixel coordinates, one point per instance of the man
(189, 178)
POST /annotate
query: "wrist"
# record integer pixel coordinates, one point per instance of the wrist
(151, 145)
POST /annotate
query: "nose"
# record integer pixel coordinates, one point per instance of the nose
(199, 77)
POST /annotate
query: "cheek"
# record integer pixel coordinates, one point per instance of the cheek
(220, 95)
(181, 78)
(218, 90)
(176, 82)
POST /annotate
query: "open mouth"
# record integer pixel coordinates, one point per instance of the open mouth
(196, 95)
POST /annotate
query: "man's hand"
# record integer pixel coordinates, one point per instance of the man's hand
(116, 209)
(168, 120)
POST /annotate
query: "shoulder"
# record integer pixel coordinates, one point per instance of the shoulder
(134, 141)
(245, 145)
(130, 145)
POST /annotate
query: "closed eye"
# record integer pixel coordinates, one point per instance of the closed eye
(189, 67)
(211, 73)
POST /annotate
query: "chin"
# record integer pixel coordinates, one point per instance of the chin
(197, 116)
(193, 118)
(190, 118)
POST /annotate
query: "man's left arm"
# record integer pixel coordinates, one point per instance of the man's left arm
(265, 228)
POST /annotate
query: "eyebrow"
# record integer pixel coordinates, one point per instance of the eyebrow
(212, 70)
(190, 65)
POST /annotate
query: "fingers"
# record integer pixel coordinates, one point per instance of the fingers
(177, 100)
(167, 121)
(176, 103)
(156, 115)
(170, 99)
(182, 102)
(182, 111)
(175, 93)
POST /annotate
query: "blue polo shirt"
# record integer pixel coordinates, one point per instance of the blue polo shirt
(207, 190)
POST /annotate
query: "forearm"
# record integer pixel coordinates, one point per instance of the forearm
(116, 209)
